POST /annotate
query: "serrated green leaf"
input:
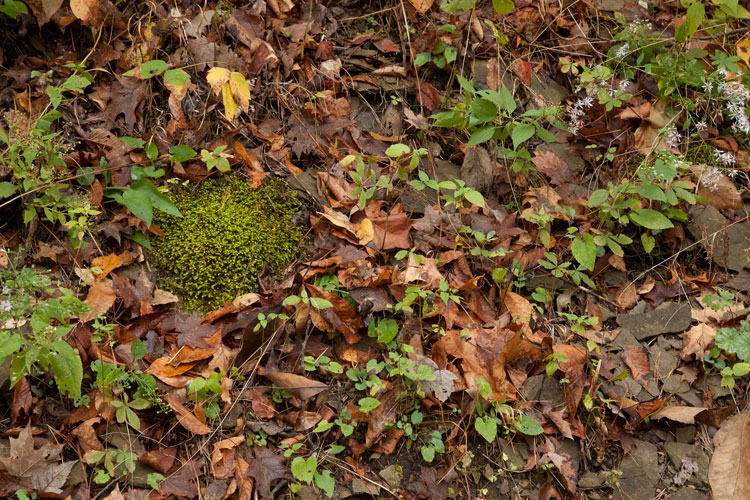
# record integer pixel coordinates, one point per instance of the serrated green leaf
(7, 189)
(584, 251)
(481, 135)
(137, 349)
(483, 110)
(735, 340)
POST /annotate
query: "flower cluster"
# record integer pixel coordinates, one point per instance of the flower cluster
(737, 96)
(710, 178)
(673, 138)
(724, 157)
(576, 112)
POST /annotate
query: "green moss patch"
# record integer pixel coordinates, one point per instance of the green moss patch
(227, 232)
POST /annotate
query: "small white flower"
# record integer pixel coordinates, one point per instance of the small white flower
(724, 157)
(701, 126)
(708, 87)
(6, 306)
(6, 290)
(673, 137)
(622, 51)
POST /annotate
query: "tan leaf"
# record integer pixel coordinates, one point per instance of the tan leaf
(186, 418)
(302, 387)
(162, 297)
(240, 90)
(365, 233)
(716, 187)
(521, 310)
(626, 296)
(91, 12)
(696, 340)
(100, 298)
(422, 6)
(683, 414)
(637, 361)
(729, 471)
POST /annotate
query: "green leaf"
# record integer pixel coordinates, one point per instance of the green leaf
(139, 204)
(506, 98)
(182, 153)
(148, 69)
(158, 199)
(597, 198)
(133, 142)
(486, 426)
(481, 135)
(503, 6)
(176, 80)
(483, 110)
(584, 251)
(323, 426)
(139, 238)
(9, 343)
(325, 482)
(650, 219)
(320, 303)
(396, 150)
(303, 470)
(735, 340)
(138, 349)
(7, 189)
(139, 404)
(474, 197)
(153, 480)
(387, 330)
(422, 58)
(522, 132)
(529, 426)
(368, 404)
(428, 453)
(67, 367)
(741, 369)
(648, 242)
(652, 191)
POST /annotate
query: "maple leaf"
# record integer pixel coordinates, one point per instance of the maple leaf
(266, 467)
(32, 467)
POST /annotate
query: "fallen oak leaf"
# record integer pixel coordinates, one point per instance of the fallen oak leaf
(302, 387)
(266, 467)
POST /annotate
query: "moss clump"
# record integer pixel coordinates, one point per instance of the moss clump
(227, 232)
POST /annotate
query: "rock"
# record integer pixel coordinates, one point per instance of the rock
(308, 492)
(514, 455)
(675, 385)
(552, 392)
(532, 387)
(677, 452)
(663, 362)
(640, 473)
(725, 244)
(670, 317)
(613, 5)
(741, 282)
(476, 169)
(686, 434)
(393, 475)
(690, 494)
(362, 487)
(545, 92)
(592, 480)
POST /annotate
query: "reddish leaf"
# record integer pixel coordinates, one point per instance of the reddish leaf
(186, 418)
(266, 467)
(637, 361)
(428, 95)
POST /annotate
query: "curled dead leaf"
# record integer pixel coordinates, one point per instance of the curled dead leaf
(729, 471)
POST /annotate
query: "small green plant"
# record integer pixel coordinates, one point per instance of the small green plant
(443, 55)
(201, 388)
(115, 462)
(34, 326)
(12, 8)
(305, 470)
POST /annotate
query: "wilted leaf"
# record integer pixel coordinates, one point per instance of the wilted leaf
(683, 414)
(100, 298)
(266, 467)
(696, 340)
(422, 6)
(729, 471)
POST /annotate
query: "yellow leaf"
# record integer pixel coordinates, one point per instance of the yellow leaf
(240, 90)
(743, 50)
(365, 233)
(230, 107)
(217, 77)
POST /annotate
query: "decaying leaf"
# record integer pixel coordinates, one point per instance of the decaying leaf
(302, 387)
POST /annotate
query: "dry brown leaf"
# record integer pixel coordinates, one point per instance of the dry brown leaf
(683, 414)
(422, 6)
(100, 298)
(186, 418)
(626, 296)
(729, 471)
(105, 264)
(696, 340)
(637, 361)
(521, 310)
(91, 12)
(302, 387)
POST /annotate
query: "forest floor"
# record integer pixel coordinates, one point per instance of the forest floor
(415, 249)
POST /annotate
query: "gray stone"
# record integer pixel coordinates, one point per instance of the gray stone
(692, 398)
(670, 317)
(613, 5)
(362, 487)
(679, 451)
(393, 475)
(545, 91)
(686, 433)
(689, 494)
(741, 282)
(592, 480)
(552, 392)
(714, 383)
(675, 385)
(725, 244)
(477, 170)
(532, 387)
(663, 362)
(516, 453)
(640, 473)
